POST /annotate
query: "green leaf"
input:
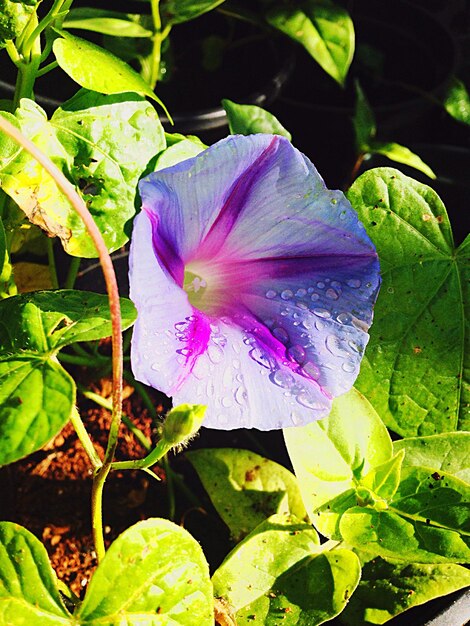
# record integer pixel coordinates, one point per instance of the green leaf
(36, 394)
(154, 573)
(13, 18)
(103, 145)
(428, 521)
(363, 120)
(449, 452)
(181, 148)
(324, 29)
(248, 119)
(457, 101)
(179, 11)
(280, 573)
(400, 154)
(28, 585)
(388, 589)
(106, 22)
(332, 455)
(246, 488)
(384, 479)
(415, 369)
(97, 69)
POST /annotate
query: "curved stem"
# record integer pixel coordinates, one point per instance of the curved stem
(114, 305)
(85, 440)
(97, 510)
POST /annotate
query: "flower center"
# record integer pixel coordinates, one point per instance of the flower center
(196, 288)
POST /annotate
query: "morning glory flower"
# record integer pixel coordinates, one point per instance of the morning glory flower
(254, 285)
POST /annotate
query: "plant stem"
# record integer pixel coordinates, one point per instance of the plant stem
(85, 440)
(170, 488)
(115, 311)
(47, 68)
(72, 273)
(151, 459)
(51, 261)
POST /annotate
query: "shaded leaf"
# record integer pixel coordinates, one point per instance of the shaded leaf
(279, 572)
(36, 394)
(246, 488)
(363, 120)
(457, 101)
(324, 29)
(103, 145)
(332, 455)
(28, 585)
(31, 276)
(154, 573)
(449, 452)
(98, 69)
(248, 119)
(106, 22)
(415, 369)
(179, 11)
(387, 589)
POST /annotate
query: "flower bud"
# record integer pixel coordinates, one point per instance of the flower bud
(182, 423)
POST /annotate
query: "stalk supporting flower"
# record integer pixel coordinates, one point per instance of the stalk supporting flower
(254, 285)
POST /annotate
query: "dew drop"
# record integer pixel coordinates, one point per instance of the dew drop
(241, 396)
(284, 312)
(321, 285)
(270, 294)
(287, 294)
(336, 284)
(300, 293)
(201, 368)
(262, 358)
(308, 323)
(215, 354)
(282, 379)
(322, 313)
(295, 419)
(281, 334)
(302, 306)
(354, 283)
(348, 366)
(236, 364)
(335, 346)
(210, 388)
(155, 367)
(269, 323)
(310, 290)
(314, 297)
(319, 325)
(355, 347)
(236, 348)
(344, 318)
(332, 294)
(310, 370)
(297, 354)
(227, 402)
(307, 400)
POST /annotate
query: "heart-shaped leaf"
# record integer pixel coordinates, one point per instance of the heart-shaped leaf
(103, 144)
(415, 369)
(246, 488)
(387, 589)
(36, 394)
(323, 28)
(279, 572)
(247, 119)
(330, 457)
(28, 586)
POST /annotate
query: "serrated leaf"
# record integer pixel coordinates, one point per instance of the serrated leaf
(247, 119)
(280, 572)
(179, 11)
(457, 101)
(98, 69)
(324, 29)
(415, 369)
(448, 452)
(332, 455)
(387, 589)
(28, 586)
(400, 154)
(36, 394)
(154, 573)
(246, 488)
(103, 145)
(106, 22)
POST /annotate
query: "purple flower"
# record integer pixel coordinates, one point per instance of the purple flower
(254, 285)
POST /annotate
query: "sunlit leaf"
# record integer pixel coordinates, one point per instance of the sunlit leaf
(247, 119)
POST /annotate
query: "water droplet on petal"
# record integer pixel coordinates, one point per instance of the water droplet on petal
(302, 305)
(321, 285)
(270, 294)
(155, 367)
(300, 293)
(260, 357)
(344, 318)
(348, 366)
(295, 419)
(215, 354)
(355, 347)
(332, 294)
(287, 294)
(322, 313)
(335, 346)
(282, 379)
(297, 354)
(310, 370)
(201, 368)
(354, 283)
(281, 335)
(185, 351)
(227, 402)
(306, 399)
(307, 323)
(241, 396)
(236, 364)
